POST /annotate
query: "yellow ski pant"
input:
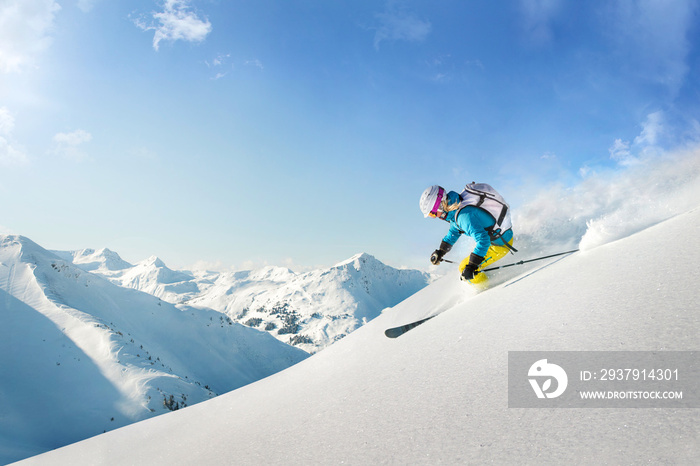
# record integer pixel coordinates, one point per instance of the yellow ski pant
(494, 254)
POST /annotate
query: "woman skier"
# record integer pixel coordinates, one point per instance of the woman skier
(479, 212)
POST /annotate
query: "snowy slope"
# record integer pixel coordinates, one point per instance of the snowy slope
(439, 393)
(82, 355)
(310, 310)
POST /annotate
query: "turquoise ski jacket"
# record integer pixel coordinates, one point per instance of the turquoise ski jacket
(474, 222)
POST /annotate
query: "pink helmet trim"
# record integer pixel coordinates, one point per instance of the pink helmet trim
(437, 202)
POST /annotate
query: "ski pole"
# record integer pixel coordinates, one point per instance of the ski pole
(529, 260)
(518, 263)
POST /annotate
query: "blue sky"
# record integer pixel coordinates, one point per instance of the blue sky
(298, 133)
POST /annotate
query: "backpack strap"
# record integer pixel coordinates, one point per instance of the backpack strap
(496, 234)
(502, 217)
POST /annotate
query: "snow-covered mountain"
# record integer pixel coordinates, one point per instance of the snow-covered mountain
(439, 393)
(82, 355)
(102, 260)
(117, 342)
(309, 310)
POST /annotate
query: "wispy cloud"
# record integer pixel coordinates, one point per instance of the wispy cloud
(25, 27)
(86, 5)
(7, 121)
(692, 134)
(143, 153)
(654, 35)
(210, 266)
(10, 153)
(646, 143)
(397, 24)
(217, 64)
(177, 21)
(220, 64)
(538, 16)
(69, 145)
(219, 60)
(476, 64)
(438, 68)
(256, 63)
(652, 130)
(620, 152)
(444, 69)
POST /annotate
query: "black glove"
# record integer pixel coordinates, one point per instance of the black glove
(440, 253)
(470, 270)
(436, 258)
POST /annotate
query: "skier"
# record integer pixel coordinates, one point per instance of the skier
(479, 212)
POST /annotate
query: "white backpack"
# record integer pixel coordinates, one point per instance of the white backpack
(483, 196)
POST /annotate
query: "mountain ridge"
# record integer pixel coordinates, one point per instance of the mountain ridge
(310, 310)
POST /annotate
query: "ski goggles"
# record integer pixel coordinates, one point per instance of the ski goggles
(436, 207)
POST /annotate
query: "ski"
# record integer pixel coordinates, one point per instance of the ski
(398, 331)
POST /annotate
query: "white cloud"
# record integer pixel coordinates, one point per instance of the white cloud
(646, 143)
(24, 32)
(176, 22)
(75, 138)
(400, 25)
(652, 129)
(620, 152)
(10, 153)
(68, 145)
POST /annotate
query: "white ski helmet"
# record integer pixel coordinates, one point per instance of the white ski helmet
(430, 200)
